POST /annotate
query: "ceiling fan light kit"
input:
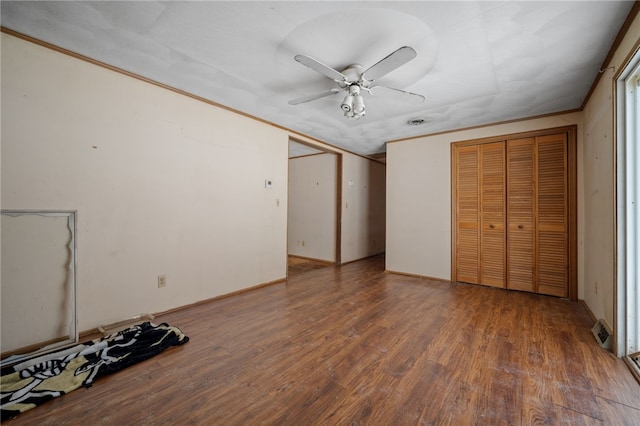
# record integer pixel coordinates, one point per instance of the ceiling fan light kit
(353, 103)
(353, 80)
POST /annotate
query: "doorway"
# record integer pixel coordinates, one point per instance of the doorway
(313, 209)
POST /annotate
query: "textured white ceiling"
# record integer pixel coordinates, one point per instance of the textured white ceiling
(477, 62)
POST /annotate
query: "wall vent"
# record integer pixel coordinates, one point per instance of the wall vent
(636, 358)
(602, 333)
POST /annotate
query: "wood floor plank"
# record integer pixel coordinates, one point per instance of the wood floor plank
(354, 345)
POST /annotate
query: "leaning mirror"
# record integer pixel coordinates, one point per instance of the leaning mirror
(37, 282)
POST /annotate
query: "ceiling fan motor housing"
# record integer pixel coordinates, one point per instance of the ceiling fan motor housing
(354, 75)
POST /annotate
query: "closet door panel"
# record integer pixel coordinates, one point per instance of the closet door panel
(467, 215)
(520, 211)
(492, 245)
(552, 203)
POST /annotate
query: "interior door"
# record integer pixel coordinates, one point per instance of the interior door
(521, 207)
(552, 215)
(492, 189)
(467, 236)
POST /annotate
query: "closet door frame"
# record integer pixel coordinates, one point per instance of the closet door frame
(572, 192)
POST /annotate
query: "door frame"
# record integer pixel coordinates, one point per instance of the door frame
(338, 224)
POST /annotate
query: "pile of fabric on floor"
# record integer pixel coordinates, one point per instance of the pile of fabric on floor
(35, 381)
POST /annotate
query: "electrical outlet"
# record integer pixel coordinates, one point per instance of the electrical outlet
(162, 281)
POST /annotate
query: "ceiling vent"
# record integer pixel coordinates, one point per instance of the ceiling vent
(602, 333)
(416, 121)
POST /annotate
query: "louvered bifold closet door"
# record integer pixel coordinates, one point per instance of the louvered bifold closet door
(492, 242)
(467, 215)
(552, 206)
(520, 213)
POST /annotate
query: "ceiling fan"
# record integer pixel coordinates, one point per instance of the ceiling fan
(354, 81)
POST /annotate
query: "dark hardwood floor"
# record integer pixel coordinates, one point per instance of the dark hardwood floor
(353, 345)
(300, 265)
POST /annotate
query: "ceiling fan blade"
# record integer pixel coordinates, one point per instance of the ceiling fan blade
(313, 97)
(323, 69)
(398, 94)
(389, 63)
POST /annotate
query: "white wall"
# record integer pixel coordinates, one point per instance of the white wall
(313, 206)
(163, 184)
(419, 196)
(363, 208)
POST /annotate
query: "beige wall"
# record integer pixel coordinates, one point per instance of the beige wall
(163, 184)
(599, 185)
(313, 193)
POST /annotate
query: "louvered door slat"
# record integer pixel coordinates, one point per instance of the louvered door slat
(520, 208)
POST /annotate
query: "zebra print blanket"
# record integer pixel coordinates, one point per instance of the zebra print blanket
(33, 382)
